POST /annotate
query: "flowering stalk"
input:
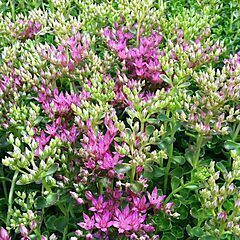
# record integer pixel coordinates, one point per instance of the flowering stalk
(10, 197)
(170, 156)
(199, 142)
(236, 131)
(3, 182)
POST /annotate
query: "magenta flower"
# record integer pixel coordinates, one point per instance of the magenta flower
(98, 205)
(97, 147)
(140, 204)
(155, 200)
(67, 54)
(103, 222)
(23, 230)
(4, 234)
(109, 162)
(88, 223)
(117, 194)
(136, 220)
(122, 220)
(10, 83)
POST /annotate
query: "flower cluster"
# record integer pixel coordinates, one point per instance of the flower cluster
(31, 28)
(97, 147)
(217, 198)
(131, 221)
(58, 107)
(148, 62)
(68, 54)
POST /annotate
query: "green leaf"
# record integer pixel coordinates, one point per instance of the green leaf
(230, 145)
(168, 236)
(228, 205)
(188, 228)
(162, 222)
(179, 160)
(184, 85)
(52, 169)
(184, 193)
(207, 237)
(165, 79)
(183, 211)
(197, 231)
(50, 222)
(166, 142)
(221, 167)
(192, 186)
(178, 172)
(163, 118)
(60, 223)
(175, 182)
(136, 187)
(177, 231)
(158, 172)
(194, 212)
(128, 132)
(40, 202)
(122, 168)
(51, 199)
(148, 167)
(189, 155)
(149, 130)
(153, 121)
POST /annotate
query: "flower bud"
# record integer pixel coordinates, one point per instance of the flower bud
(23, 230)
(89, 236)
(33, 225)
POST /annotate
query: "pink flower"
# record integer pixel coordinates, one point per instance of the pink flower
(128, 220)
(136, 220)
(140, 204)
(103, 221)
(122, 221)
(88, 195)
(88, 223)
(117, 194)
(98, 205)
(4, 234)
(155, 200)
(89, 236)
(23, 230)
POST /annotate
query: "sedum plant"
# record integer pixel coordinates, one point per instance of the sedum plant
(119, 120)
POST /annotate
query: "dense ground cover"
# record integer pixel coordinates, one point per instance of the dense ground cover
(119, 119)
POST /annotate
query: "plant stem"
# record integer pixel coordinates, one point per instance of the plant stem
(12, 6)
(100, 185)
(170, 157)
(142, 126)
(3, 182)
(42, 193)
(132, 177)
(231, 18)
(133, 171)
(10, 197)
(236, 132)
(198, 149)
(66, 228)
(177, 190)
(138, 32)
